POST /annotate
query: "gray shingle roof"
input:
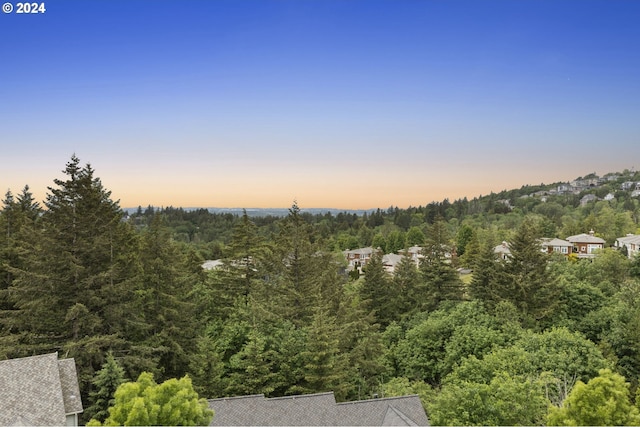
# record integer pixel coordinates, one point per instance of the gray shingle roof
(556, 242)
(70, 387)
(38, 390)
(317, 409)
(585, 238)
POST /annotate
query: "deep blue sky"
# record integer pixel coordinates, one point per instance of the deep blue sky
(348, 104)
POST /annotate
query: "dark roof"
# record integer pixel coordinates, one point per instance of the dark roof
(38, 390)
(317, 409)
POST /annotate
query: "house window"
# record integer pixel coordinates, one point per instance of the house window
(591, 248)
(564, 249)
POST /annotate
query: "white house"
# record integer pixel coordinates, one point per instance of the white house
(631, 242)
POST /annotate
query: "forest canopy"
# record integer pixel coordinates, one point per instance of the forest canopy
(529, 339)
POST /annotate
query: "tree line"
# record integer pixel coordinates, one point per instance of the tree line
(281, 316)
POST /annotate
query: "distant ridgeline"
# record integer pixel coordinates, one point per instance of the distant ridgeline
(261, 212)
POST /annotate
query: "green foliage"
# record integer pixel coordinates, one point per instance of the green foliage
(442, 281)
(401, 386)
(379, 291)
(603, 401)
(505, 400)
(106, 383)
(415, 237)
(280, 317)
(174, 402)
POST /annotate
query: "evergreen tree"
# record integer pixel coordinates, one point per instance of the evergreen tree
(407, 288)
(486, 277)
(527, 282)
(74, 286)
(105, 383)
(166, 282)
(377, 291)
(252, 369)
(325, 366)
(243, 268)
(298, 273)
(442, 281)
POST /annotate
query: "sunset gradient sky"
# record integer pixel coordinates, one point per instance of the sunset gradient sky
(342, 104)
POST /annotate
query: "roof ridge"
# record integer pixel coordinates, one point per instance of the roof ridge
(299, 396)
(237, 397)
(351, 402)
(402, 415)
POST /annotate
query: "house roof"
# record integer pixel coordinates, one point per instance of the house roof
(503, 248)
(38, 390)
(585, 238)
(361, 251)
(555, 242)
(318, 409)
(391, 259)
(212, 264)
(633, 238)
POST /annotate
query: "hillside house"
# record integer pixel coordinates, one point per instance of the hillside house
(389, 261)
(555, 245)
(588, 198)
(585, 245)
(414, 252)
(631, 242)
(318, 409)
(503, 251)
(39, 391)
(358, 258)
(547, 245)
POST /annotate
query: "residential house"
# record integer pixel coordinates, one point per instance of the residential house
(555, 245)
(39, 391)
(358, 258)
(318, 409)
(583, 184)
(609, 197)
(635, 193)
(588, 198)
(628, 185)
(631, 242)
(548, 245)
(585, 245)
(389, 262)
(564, 188)
(503, 251)
(414, 252)
(212, 264)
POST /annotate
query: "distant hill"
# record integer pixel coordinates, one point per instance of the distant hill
(262, 212)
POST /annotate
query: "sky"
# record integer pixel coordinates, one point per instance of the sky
(346, 104)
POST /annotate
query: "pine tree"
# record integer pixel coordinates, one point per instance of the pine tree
(166, 282)
(298, 273)
(242, 271)
(407, 288)
(442, 281)
(105, 383)
(486, 277)
(75, 283)
(526, 281)
(325, 366)
(377, 291)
